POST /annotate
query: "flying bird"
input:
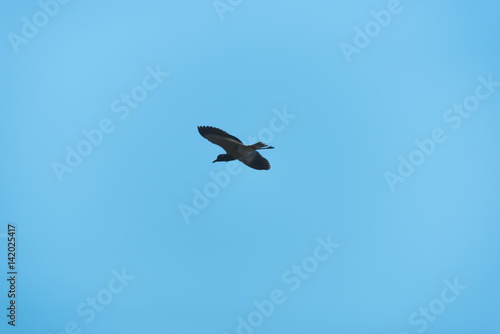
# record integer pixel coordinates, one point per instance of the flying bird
(235, 149)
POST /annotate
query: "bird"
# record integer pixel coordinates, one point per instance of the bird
(235, 149)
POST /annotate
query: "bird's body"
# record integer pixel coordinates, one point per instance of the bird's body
(235, 149)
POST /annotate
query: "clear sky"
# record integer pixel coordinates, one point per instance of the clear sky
(379, 214)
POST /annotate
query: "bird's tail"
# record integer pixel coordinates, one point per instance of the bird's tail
(261, 146)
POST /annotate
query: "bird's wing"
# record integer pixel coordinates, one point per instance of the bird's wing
(255, 160)
(217, 136)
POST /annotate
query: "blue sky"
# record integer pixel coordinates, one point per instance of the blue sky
(379, 214)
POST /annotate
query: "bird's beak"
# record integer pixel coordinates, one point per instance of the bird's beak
(214, 161)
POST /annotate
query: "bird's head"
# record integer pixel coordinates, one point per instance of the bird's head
(223, 157)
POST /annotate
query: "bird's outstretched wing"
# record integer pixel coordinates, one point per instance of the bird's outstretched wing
(219, 137)
(255, 160)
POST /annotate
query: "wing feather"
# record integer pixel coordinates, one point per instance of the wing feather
(228, 142)
(255, 160)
